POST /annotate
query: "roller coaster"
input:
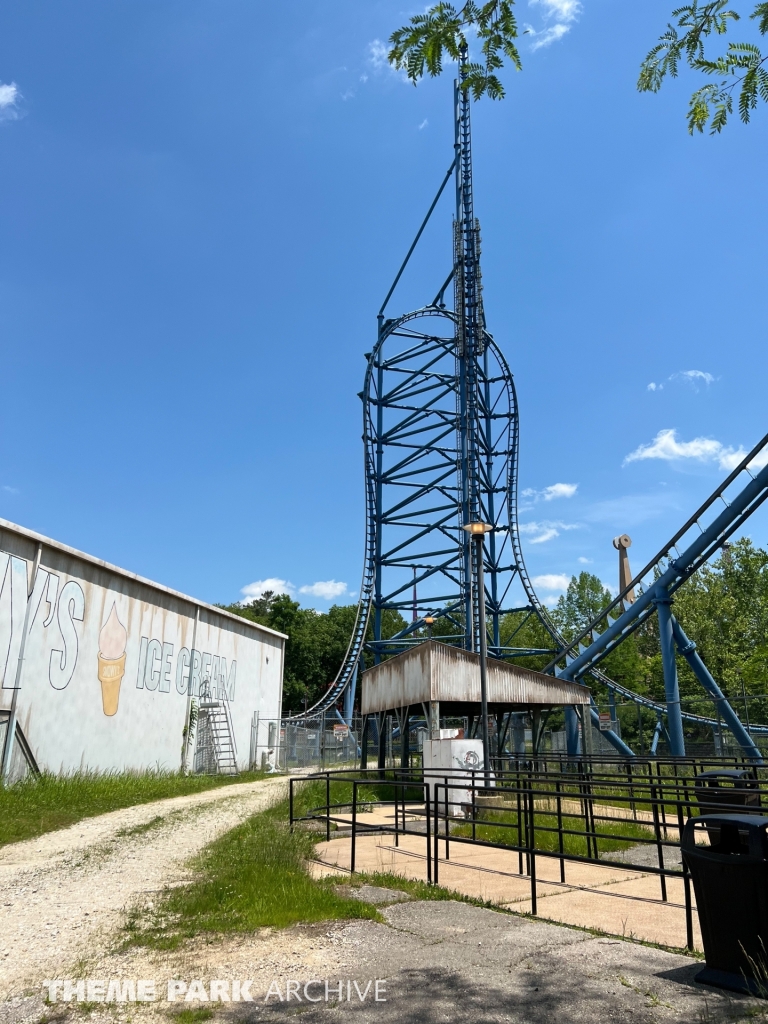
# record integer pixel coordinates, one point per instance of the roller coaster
(441, 437)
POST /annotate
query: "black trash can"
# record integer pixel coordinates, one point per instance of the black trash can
(726, 791)
(730, 880)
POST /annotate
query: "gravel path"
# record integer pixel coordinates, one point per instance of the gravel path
(64, 892)
(63, 896)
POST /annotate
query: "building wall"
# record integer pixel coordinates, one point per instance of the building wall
(112, 662)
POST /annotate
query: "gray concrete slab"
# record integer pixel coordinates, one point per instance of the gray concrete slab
(449, 961)
(438, 962)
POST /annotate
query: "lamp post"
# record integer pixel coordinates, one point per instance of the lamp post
(477, 532)
(428, 620)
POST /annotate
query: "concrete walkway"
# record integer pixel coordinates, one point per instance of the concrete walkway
(614, 900)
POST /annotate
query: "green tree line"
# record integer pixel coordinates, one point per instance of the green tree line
(316, 645)
(723, 609)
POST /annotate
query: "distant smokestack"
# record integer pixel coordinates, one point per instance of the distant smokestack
(625, 574)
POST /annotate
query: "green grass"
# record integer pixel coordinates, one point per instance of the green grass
(47, 802)
(251, 877)
(192, 1016)
(311, 794)
(416, 889)
(622, 834)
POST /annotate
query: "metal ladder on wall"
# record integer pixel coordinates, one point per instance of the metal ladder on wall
(216, 753)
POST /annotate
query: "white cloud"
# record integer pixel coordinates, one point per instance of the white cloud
(585, 561)
(326, 589)
(733, 457)
(544, 531)
(547, 533)
(8, 94)
(560, 491)
(694, 378)
(377, 59)
(691, 377)
(377, 54)
(10, 490)
(553, 491)
(562, 12)
(666, 446)
(259, 588)
(423, 124)
(348, 95)
(548, 36)
(552, 581)
(9, 102)
(363, 79)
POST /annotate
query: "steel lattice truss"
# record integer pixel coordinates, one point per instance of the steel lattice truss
(418, 454)
(441, 436)
(440, 428)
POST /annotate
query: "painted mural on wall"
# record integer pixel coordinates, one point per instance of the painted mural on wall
(62, 609)
(112, 640)
(109, 666)
(57, 607)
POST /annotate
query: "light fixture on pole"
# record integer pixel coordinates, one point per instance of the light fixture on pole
(477, 532)
(428, 621)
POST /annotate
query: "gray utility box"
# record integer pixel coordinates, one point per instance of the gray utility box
(730, 880)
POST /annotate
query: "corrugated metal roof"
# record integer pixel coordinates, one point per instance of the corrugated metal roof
(434, 671)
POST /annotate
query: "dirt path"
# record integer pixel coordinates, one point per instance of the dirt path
(63, 893)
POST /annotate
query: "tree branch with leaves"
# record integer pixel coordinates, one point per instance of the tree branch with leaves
(419, 47)
(741, 68)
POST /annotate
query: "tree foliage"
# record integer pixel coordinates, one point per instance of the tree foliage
(583, 601)
(581, 604)
(740, 69)
(723, 608)
(317, 642)
(419, 47)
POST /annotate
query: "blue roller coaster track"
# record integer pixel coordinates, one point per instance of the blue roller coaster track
(441, 433)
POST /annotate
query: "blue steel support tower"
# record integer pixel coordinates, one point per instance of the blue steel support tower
(440, 431)
(441, 445)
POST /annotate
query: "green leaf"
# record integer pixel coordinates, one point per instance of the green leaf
(741, 64)
(419, 47)
(761, 14)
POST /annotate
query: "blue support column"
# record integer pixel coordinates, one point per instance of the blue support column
(517, 729)
(671, 687)
(656, 734)
(611, 737)
(572, 744)
(349, 696)
(688, 650)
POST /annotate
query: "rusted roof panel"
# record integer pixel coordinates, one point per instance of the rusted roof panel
(433, 671)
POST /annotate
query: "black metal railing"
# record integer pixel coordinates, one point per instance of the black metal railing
(579, 811)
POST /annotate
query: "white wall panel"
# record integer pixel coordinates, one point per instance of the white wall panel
(112, 661)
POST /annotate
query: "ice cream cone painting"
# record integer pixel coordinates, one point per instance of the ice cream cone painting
(112, 640)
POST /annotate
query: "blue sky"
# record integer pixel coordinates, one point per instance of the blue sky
(203, 204)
